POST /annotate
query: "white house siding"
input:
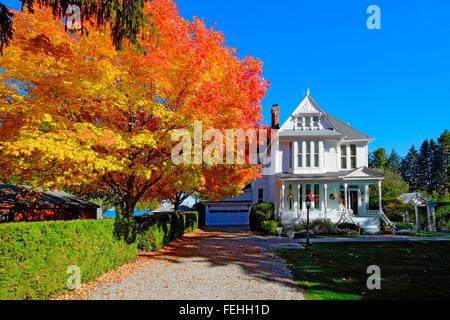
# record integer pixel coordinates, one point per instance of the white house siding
(330, 135)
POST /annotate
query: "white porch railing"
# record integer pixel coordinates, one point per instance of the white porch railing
(377, 214)
(340, 216)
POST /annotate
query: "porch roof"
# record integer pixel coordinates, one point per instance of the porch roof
(360, 174)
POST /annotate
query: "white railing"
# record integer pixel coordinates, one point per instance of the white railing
(378, 214)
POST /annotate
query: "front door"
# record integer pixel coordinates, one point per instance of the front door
(354, 201)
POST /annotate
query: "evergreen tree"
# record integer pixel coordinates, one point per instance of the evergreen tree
(378, 158)
(393, 162)
(444, 166)
(409, 167)
(424, 167)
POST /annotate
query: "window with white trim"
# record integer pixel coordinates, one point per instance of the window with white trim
(316, 123)
(308, 155)
(353, 156)
(316, 154)
(300, 154)
(291, 155)
(300, 123)
(308, 123)
(343, 156)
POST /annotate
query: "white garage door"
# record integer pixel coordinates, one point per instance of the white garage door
(227, 216)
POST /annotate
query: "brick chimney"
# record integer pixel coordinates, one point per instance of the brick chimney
(275, 117)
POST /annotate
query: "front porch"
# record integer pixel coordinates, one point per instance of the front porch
(342, 199)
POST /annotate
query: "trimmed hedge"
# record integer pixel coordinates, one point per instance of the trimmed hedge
(200, 208)
(152, 233)
(34, 256)
(260, 213)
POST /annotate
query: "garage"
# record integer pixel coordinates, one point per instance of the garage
(229, 212)
(227, 216)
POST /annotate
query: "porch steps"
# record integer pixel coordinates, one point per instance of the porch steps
(370, 224)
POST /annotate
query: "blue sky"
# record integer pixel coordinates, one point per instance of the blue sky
(393, 84)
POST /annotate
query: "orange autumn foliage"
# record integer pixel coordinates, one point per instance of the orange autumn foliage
(75, 112)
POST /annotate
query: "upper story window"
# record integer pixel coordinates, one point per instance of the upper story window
(300, 154)
(300, 123)
(291, 154)
(316, 123)
(353, 162)
(343, 156)
(316, 154)
(308, 123)
(308, 155)
(353, 156)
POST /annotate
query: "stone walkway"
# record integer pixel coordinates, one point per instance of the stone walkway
(207, 265)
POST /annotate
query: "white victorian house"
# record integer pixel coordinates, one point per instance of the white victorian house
(313, 153)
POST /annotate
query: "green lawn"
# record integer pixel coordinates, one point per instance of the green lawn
(433, 235)
(336, 271)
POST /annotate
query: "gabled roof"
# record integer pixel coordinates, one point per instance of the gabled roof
(364, 172)
(338, 127)
(21, 196)
(348, 131)
(409, 198)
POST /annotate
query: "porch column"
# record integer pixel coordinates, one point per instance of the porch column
(380, 203)
(325, 198)
(431, 217)
(346, 196)
(281, 199)
(416, 208)
(303, 198)
(367, 197)
(295, 191)
(359, 200)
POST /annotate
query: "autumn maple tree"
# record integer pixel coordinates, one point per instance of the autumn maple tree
(75, 112)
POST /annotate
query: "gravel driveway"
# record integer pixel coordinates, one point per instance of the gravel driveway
(207, 265)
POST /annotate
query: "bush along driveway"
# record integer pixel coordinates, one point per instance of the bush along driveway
(339, 270)
(206, 265)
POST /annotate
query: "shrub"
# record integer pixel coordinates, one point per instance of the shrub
(443, 218)
(261, 212)
(318, 227)
(200, 208)
(404, 226)
(270, 227)
(347, 225)
(34, 256)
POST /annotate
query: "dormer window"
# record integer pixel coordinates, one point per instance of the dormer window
(316, 123)
(308, 123)
(300, 123)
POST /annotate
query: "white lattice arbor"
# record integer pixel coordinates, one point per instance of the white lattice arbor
(417, 200)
